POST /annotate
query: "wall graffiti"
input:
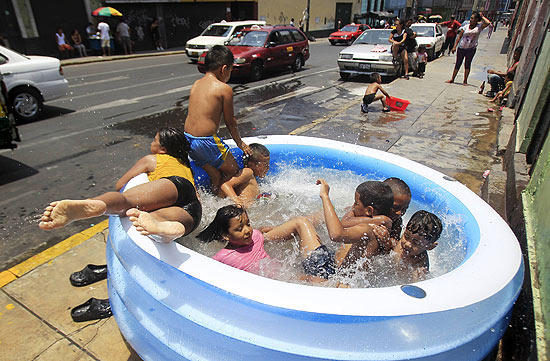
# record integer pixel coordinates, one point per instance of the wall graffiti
(176, 21)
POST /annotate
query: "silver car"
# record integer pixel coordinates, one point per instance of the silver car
(370, 53)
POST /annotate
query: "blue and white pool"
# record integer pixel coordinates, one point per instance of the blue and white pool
(173, 303)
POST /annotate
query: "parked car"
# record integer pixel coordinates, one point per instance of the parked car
(347, 34)
(370, 53)
(8, 130)
(31, 81)
(216, 34)
(261, 48)
(431, 36)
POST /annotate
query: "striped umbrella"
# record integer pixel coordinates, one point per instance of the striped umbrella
(106, 11)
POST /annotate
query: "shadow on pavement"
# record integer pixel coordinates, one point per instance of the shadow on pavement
(13, 170)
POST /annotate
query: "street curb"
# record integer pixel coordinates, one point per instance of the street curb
(98, 59)
(47, 255)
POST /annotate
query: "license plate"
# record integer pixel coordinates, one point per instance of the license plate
(194, 53)
(364, 66)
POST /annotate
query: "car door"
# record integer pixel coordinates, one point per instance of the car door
(440, 38)
(288, 51)
(276, 51)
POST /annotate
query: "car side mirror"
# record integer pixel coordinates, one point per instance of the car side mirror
(271, 44)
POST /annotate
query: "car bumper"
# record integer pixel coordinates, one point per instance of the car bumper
(240, 70)
(339, 40)
(360, 67)
(54, 89)
(194, 53)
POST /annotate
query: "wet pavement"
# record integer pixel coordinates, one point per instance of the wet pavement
(440, 129)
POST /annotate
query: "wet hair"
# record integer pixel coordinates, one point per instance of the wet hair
(374, 76)
(217, 57)
(258, 150)
(220, 225)
(175, 143)
(398, 186)
(376, 194)
(426, 224)
(510, 75)
(518, 50)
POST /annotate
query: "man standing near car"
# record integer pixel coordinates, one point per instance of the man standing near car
(452, 28)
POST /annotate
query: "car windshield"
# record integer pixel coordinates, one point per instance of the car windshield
(349, 28)
(217, 30)
(250, 38)
(427, 31)
(374, 37)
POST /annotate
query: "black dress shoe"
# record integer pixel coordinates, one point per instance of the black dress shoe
(90, 274)
(93, 309)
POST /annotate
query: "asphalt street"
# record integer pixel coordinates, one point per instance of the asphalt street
(84, 141)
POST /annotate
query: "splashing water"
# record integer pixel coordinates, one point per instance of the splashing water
(294, 193)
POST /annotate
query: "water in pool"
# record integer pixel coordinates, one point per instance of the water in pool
(294, 193)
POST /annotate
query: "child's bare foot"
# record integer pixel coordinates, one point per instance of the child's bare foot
(147, 225)
(449, 81)
(60, 213)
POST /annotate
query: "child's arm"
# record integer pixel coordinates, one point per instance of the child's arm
(383, 91)
(230, 121)
(349, 220)
(242, 177)
(144, 165)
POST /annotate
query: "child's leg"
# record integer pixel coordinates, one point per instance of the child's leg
(382, 100)
(148, 196)
(309, 240)
(169, 223)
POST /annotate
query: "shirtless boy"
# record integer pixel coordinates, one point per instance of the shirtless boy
(211, 98)
(243, 188)
(420, 236)
(370, 94)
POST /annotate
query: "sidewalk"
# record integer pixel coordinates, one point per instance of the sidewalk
(446, 127)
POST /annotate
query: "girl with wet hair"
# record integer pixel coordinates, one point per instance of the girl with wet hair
(165, 208)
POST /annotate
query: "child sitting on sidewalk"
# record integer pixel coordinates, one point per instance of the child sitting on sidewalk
(370, 94)
(509, 80)
(243, 188)
(422, 60)
(210, 98)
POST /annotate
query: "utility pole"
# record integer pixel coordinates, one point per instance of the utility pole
(307, 15)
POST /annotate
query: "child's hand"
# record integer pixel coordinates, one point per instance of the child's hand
(383, 237)
(324, 187)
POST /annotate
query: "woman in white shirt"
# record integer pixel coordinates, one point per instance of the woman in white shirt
(466, 44)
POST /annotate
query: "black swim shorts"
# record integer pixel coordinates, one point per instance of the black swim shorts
(187, 199)
(369, 98)
(320, 263)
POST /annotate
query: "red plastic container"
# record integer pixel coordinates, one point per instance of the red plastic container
(397, 104)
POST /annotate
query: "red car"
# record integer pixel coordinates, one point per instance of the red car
(262, 48)
(347, 34)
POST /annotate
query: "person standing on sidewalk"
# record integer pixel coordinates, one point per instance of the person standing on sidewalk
(466, 44)
(452, 27)
(155, 33)
(104, 30)
(123, 31)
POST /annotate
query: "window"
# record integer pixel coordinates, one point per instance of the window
(3, 59)
(285, 37)
(217, 30)
(298, 36)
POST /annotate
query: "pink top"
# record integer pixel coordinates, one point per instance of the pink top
(246, 258)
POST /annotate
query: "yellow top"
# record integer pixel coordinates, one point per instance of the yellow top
(510, 88)
(168, 166)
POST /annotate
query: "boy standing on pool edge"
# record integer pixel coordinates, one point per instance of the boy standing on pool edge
(211, 98)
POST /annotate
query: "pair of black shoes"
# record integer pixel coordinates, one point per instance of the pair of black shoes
(93, 309)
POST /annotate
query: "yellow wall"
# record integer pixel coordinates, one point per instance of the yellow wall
(322, 12)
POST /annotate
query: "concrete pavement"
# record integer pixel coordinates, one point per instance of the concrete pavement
(447, 127)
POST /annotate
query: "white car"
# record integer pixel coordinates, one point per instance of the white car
(431, 36)
(31, 81)
(370, 53)
(216, 34)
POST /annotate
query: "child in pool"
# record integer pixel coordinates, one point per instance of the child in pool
(420, 236)
(401, 200)
(211, 98)
(370, 94)
(243, 188)
(244, 248)
(170, 195)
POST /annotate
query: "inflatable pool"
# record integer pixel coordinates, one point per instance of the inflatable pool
(172, 303)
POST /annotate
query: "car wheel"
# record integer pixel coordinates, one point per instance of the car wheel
(344, 76)
(298, 62)
(256, 71)
(431, 54)
(194, 61)
(26, 103)
(332, 42)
